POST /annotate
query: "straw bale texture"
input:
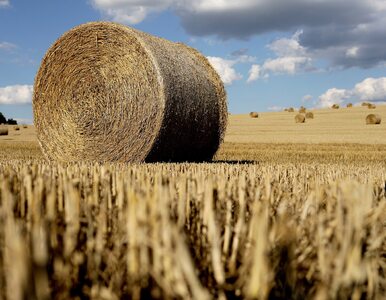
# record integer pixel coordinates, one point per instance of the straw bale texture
(107, 92)
(3, 130)
(309, 115)
(299, 118)
(373, 119)
(253, 114)
(371, 106)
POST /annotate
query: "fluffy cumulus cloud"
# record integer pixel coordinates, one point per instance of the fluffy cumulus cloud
(307, 98)
(4, 3)
(225, 68)
(16, 94)
(130, 11)
(346, 33)
(370, 89)
(7, 46)
(291, 58)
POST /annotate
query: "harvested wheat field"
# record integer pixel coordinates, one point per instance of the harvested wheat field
(285, 211)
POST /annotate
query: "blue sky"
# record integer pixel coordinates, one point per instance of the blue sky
(270, 54)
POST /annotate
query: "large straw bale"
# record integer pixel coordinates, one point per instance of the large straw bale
(373, 119)
(3, 130)
(107, 92)
(300, 118)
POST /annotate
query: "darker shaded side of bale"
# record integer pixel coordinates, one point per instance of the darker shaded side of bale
(107, 92)
(254, 114)
(373, 119)
(299, 118)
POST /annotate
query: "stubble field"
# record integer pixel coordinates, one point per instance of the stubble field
(285, 211)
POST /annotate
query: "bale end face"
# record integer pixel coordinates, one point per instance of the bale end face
(373, 119)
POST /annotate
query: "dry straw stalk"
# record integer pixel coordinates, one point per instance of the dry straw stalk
(107, 92)
(373, 119)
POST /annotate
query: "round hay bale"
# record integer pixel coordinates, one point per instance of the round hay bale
(107, 92)
(302, 110)
(299, 118)
(371, 106)
(25, 126)
(373, 119)
(253, 114)
(349, 105)
(3, 130)
(285, 109)
(335, 106)
(365, 104)
(16, 128)
(291, 109)
(309, 115)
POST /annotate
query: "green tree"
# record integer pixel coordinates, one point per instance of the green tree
(3, 120)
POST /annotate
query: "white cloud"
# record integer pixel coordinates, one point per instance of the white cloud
(352, 52)
(291, 58)
(286, 65)
(307, 98)
(7, 46)
(224, 68)
(130, 11)
(370, 89)
(333, 96)
(254, 73)
(16, 94)
(275, 108)
(4, 3)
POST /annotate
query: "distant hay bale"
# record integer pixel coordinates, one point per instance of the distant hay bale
(299, 118)
(371, 106)
(3, 130)
(253, 114)
(365, 104)
(25, 126)
(373, 119)
(16, 128)
(291, 109)
(107, 92)
(349, 105)
(335, 106)
(309, 115)
(285, 109)
(302, 110)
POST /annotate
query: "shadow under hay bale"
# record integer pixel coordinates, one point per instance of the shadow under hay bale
(17, 128)
(253, 114)
(373, 119)
(3, 130)
(127, 97)
(309, 115)
(299, 118)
